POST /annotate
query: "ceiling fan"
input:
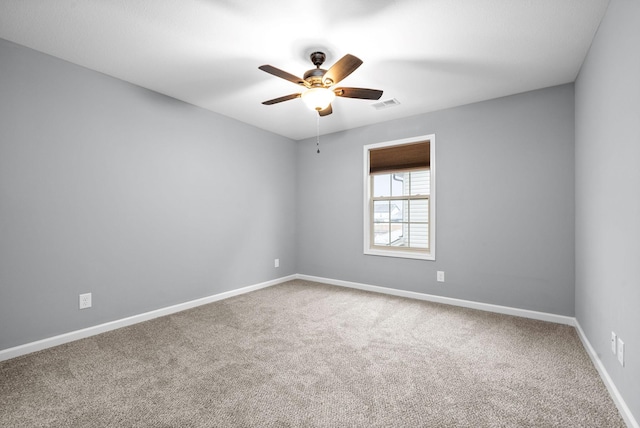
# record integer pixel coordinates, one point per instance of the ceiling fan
(319, 92)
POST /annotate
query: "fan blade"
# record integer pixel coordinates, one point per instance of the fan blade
(341, 69)
(362, 93)
(281, 99)
(283, 74)
(326, 112)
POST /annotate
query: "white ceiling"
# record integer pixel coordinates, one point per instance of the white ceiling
(428, 54)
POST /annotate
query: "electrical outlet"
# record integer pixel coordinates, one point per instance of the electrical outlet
(614, 338)
(276, 263)
(440, 276)
(621, 352)
(85, 301)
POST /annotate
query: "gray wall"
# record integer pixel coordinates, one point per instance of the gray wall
(608, 195)
(140, 199)
(505, 204)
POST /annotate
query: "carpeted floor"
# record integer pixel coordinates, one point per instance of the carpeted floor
(303, 354)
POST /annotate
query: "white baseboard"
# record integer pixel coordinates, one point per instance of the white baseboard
(525, 313)
(49, 342)
(611, 387)
(543, 316)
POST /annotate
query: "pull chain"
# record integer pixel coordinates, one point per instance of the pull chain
(318, 133)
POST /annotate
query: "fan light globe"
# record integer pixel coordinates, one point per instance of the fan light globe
(318, 98)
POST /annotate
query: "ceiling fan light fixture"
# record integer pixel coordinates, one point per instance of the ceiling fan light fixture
(318, 98)
(318, 95)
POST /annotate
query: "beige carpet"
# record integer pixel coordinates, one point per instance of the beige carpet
(302, 354)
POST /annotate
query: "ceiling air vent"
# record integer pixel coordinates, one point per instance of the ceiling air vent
(386, 104)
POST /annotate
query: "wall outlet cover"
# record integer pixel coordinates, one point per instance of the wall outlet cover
(621, 352)
(85, 301)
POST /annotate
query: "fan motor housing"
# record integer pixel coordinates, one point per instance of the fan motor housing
(314, 76)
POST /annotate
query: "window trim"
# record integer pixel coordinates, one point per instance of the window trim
(407, 253)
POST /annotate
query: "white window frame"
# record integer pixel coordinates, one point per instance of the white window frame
(368, 238)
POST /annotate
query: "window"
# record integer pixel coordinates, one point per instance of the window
(399, 202)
